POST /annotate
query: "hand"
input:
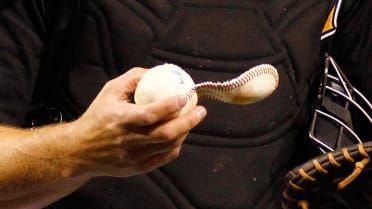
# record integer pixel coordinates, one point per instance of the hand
(117, 138)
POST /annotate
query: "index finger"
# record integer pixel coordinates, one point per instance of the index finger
(149, 114)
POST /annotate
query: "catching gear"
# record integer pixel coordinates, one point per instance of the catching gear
(340, 177)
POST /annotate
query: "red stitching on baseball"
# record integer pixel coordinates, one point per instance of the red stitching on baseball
(208, 90)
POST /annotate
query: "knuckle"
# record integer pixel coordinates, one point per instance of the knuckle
(168, 133)
(136, 69)
(109, 84)
(170, 107)
(146, 117)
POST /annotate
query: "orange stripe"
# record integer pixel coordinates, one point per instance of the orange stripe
(329, 26)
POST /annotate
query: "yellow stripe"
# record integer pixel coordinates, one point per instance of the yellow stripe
(329, 26)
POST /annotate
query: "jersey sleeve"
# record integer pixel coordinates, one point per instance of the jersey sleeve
(351, 43)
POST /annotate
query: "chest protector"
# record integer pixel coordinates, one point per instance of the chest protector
(237, 157)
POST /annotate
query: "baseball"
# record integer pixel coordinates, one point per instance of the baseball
(254, 85)
(163, 81)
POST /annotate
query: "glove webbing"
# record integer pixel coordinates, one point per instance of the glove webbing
(307, 174)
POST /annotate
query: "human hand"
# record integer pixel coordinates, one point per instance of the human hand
(117, 138)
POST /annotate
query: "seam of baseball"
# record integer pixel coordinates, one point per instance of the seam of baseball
(237, 82)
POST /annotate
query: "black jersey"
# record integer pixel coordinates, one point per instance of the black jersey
(237, 157)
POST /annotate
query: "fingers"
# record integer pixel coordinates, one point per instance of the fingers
(180, 125)
(166, 131)
(145, 150)
(126, 83)
(144, 165)
(160, 160)
(162, 143)
(145, 115)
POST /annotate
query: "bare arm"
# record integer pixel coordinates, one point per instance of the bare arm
(33, 172)
(112, 138)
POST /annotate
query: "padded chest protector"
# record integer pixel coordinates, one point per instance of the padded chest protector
(237, 157)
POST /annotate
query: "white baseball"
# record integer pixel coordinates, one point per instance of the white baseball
(254, 85)
(163, 81)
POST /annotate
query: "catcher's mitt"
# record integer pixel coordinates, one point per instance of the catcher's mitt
(331, 181)
(341, 177)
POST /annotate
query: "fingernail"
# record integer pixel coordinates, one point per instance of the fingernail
(181, 101)
(201, 112)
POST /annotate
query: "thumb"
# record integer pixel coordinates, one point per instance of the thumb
(126, 83)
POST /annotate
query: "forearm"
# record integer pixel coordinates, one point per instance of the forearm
(36, 167)
(112, 138)
(41, 196)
